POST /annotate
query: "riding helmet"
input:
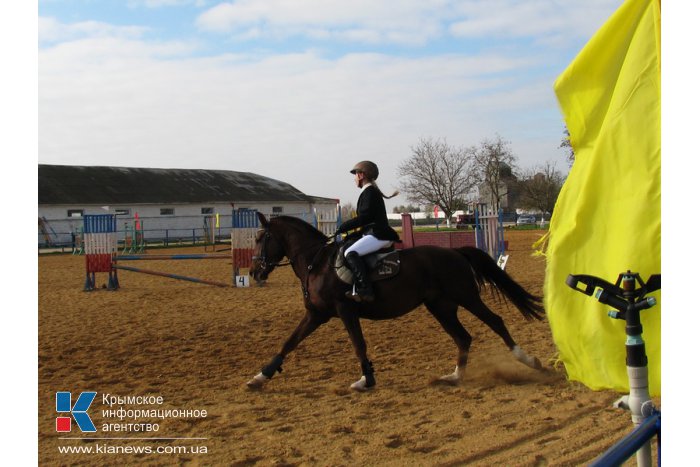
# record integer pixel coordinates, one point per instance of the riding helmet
(369, 168)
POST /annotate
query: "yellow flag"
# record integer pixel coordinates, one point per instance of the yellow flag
(608, 216)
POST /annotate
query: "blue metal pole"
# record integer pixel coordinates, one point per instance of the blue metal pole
(627, 446)
(167, 257)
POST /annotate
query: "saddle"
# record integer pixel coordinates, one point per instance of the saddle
(381, 264)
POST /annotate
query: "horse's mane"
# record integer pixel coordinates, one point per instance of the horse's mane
(301, 225)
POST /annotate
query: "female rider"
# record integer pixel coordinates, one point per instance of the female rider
(374, 224)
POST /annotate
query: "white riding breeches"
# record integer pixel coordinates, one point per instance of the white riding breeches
(368, 244)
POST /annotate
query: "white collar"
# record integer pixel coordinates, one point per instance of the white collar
(365, 186)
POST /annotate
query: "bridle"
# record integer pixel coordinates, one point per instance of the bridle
(263, 254)
(267, 268)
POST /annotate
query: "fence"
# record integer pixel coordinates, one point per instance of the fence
(488, 231)
(66, 235)
(487, 236)
(101, 249)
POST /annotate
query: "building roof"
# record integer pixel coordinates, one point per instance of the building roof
(71, 184)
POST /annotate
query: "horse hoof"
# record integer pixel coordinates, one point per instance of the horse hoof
(452, 379)
(536, 364)
(360, 385)
(258, 381)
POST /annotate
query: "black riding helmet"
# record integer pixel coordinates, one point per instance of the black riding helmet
(368, 168)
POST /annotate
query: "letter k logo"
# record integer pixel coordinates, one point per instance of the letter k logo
(79, 411)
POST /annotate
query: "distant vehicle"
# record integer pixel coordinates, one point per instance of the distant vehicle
(465, 220)
(526, 220)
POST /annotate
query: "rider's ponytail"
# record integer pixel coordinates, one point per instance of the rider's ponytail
(395, 193)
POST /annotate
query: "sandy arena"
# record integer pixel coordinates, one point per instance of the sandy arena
(195, 346)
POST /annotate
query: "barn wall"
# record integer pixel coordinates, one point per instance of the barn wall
(181, 223)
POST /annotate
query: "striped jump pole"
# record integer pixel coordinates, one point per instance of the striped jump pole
(100, 243)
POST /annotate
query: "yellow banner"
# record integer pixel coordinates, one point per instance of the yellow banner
(608, 216)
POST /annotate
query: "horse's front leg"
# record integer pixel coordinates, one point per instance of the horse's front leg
(308, 324)
(348, 314)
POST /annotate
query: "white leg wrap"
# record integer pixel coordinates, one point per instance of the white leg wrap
(258, 381)
(520, 354)
(455, 377)
(360, 385)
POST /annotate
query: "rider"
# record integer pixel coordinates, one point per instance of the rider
(376, 232)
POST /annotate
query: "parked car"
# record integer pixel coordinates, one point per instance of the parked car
(465, 220)
(526, 220)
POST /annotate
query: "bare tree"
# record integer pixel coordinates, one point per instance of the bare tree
(346, 211)
(401, 209)
(438, 174)
(540, 187)
(566, 145)
(494, 160)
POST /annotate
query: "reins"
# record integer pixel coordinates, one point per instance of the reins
(305, 287)
(264, 264)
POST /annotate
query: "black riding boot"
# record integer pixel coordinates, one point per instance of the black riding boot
(363, 287)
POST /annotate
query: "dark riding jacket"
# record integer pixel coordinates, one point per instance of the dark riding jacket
(371, 216)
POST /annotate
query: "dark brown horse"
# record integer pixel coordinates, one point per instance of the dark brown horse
(441, 278)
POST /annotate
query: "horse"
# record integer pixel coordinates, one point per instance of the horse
(443, 279)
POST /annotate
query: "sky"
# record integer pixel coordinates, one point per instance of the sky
(301, 90)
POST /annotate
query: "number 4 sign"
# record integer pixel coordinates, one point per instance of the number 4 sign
(243, 281)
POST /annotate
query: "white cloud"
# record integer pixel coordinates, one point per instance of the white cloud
(565, 19)
(406, 21)
(51, 30)
(166, 3)
(395, 21)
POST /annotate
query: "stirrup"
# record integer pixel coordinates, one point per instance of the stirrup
(359, 297)
(353, 296)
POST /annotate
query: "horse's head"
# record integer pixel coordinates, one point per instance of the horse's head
(268, 251)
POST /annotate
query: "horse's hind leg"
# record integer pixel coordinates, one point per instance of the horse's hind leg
(446, 314)
(495, 322)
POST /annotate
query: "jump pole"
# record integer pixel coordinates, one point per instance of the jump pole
(171, 276)
(165, 257)
(116, 266)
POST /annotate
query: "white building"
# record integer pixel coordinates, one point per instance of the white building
(169, 203)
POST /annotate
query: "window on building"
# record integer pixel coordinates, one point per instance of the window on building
(207, 210)
(75, 213)
(277, 211)
(122, 212)
(167, 211)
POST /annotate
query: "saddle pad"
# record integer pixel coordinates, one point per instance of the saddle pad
(379, 266)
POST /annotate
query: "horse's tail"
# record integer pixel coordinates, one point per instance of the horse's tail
(487, 271)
